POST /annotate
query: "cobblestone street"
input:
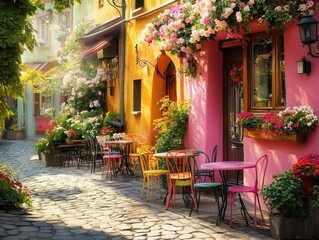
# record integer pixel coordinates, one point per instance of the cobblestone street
(72, 203)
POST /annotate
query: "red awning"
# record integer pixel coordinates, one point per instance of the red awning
(95, 47)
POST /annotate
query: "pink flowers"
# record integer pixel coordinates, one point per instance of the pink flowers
(236, 74)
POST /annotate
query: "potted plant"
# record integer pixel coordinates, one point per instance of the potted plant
(290, 125)
(16, 132)
(307, 169)
(286, 203)
(44, 148)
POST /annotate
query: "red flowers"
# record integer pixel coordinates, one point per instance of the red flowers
(104, 130)
(236, 74)
(307, 166)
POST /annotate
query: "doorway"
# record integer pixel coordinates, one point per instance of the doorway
(233, 105)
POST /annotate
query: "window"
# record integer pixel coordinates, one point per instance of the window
(43, 30)
(139, 4)
(43, 105)
(137, 95)
(101, 3)
(66, 21)
(267, 85)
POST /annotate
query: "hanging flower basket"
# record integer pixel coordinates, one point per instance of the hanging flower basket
(259, 133)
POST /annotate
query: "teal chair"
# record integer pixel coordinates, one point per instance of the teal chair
(201, 183)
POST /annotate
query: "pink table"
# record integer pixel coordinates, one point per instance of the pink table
(222, 167)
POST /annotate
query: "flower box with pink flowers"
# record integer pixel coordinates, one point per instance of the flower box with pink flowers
(290, 125)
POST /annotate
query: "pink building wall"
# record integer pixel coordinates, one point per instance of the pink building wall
(206, 126)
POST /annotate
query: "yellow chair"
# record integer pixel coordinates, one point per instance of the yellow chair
(150, 170)
(138, 141)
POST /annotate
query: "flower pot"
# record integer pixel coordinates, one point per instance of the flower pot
(16, 135)
(290, 228)
(260, 134)
(48, 158)
(308, 184)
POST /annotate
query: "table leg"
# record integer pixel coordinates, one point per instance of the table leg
(224, 195)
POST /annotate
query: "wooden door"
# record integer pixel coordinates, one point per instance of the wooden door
(233, 105)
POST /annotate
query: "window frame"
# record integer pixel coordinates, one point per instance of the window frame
(276, 76)
(44, 17)
(137, 96)
(38, 102)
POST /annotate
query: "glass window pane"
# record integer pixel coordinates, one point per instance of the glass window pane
(282, 83)
(261, 86)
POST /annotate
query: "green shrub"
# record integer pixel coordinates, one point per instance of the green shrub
(285, 196)
(42, 145)
(13, 193)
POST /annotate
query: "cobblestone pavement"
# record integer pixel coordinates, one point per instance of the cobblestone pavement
(72, 203)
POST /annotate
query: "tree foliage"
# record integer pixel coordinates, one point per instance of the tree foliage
(16, 35)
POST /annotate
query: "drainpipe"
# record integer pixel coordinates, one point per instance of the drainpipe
(121, 123)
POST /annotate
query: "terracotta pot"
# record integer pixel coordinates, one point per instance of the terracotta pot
(307, 185)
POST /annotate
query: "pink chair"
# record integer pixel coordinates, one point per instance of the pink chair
(111, 162)
(260, 171)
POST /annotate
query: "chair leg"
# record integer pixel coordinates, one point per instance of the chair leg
(159, 185)
(231, 198)
(261, 212)
(218, 206)
(148, 187)
(143, 187)
(152, 187)
(170, 189)
(198, 200)
(192, 206)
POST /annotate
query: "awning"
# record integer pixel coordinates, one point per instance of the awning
(95, 47)
(42, 67)
(103, 31)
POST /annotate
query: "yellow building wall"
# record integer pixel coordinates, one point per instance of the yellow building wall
(152, 84)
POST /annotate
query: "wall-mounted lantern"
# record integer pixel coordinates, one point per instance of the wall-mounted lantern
(308, 35)
(303, 66)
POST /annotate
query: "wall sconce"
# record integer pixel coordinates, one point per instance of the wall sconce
(304, 66)
(142, 63)
(308, 35)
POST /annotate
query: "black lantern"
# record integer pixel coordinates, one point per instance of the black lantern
(308, 34)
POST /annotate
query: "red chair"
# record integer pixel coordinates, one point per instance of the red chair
(180, 174)
(260, 171)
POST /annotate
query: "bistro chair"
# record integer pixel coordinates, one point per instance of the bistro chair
(96, 153)
(134, 155)
(111, 162)
(201, 183)
(150, 170)
(260, 171)
(206, 173)
(180, 174)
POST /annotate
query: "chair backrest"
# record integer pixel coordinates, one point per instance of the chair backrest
(103, 145)
(260, 168)
(198, 154)
(179, 163)
(214, 154)
(147, 161)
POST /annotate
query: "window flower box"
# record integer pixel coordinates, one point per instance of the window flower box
(259, 133)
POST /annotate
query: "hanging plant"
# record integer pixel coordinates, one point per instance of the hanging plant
(236, 74)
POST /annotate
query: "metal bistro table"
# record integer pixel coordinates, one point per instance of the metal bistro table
(223, 167)
(72, 151)
(125, 148)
